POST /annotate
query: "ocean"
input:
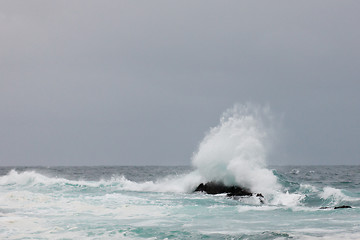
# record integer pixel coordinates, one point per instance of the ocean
(152, 202)
(157, 202)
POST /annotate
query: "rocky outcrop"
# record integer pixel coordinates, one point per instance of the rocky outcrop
(343, 206)
(218, 188)
(337, 207)
(231, 191)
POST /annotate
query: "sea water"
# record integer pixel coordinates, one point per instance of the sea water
(147, 203)
(158, 202)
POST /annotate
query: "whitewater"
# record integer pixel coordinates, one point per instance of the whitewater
(158, 202)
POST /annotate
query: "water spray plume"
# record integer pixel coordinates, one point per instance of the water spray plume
(234, 152)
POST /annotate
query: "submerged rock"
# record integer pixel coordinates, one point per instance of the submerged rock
(338, 207)
(231, 191)
(343, 206)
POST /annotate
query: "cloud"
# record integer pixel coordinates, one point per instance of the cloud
(126, 82)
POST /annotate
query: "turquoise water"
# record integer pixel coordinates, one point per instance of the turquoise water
(158, 203)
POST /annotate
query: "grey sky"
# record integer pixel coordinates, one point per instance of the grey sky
(140, 82)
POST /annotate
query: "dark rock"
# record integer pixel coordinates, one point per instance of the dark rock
(259, 195)
(218, 188)
(338, 207)
(231, 191)
(343, 206)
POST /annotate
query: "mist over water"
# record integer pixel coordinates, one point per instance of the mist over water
(235, 151)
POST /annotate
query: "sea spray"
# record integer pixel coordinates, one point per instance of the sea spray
(234, 152)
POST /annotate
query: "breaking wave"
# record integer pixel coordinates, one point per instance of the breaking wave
(304, 196)
(235, 151)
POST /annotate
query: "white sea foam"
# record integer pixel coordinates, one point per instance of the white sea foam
(336, 195)
(235, 151)
(24, 178)
(306, 188)
(172, 184)
(287, 199)
(32, 178)
(177, 184)
(36, 206)
(246, 208)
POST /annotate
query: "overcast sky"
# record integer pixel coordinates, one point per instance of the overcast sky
(140, 82)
